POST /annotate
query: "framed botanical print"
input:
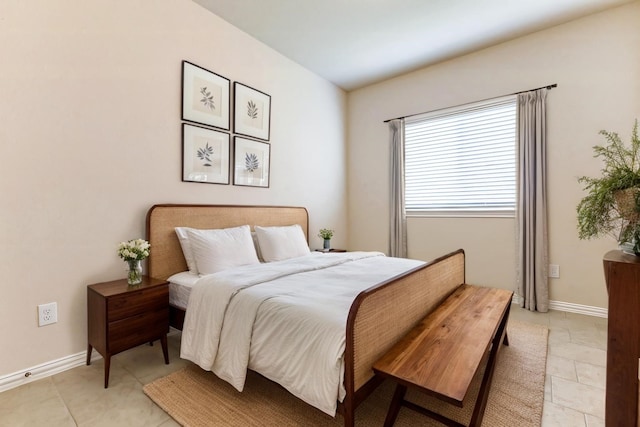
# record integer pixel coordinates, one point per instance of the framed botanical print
(252, 112)
(251, 162)
(205, 155)
(205, 96)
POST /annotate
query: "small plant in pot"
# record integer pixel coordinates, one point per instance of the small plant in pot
(612, 205)
(326, 234)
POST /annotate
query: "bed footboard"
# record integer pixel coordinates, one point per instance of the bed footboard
(383, 314)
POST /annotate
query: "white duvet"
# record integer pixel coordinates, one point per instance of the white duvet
(285, 320)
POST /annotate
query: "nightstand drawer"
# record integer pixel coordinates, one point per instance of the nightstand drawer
(132, 303)
(132, 331)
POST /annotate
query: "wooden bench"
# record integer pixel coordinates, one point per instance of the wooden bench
(442, 354)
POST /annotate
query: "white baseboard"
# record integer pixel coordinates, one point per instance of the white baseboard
(570, 307)
(44, 370)
(579, 308)
(53, 367)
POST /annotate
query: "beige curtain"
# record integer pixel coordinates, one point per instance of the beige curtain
(398, 217)
(533, 259)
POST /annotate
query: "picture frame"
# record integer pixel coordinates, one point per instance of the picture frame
(252, 161)
(205, 96)
(252, 112)
(205, 155)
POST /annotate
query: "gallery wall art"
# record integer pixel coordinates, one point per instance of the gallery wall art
(207, 151)
(205, 96)
(251, 162)
(205, 155)
(252, 112)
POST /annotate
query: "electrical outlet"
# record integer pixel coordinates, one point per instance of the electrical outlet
(47, 313)
(554, 271)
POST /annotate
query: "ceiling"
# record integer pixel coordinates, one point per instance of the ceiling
(353, 43)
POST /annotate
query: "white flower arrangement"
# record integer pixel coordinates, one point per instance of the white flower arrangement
(325, 233)
(137, 249)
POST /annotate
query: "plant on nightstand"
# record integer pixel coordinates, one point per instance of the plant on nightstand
(326, 234)
(612, 205)
(133, 252)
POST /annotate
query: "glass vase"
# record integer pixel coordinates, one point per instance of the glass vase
(327, 244)
(134, 276)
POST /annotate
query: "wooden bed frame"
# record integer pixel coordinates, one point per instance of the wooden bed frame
(379, 316)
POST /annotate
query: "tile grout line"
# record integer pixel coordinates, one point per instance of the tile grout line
(62, 399)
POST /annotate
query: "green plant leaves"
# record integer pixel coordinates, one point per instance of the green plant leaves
(597, 212)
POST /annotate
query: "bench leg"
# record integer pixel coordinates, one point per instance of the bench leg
(483, 394)
(503, 324)
(433, 415)
(396, 403)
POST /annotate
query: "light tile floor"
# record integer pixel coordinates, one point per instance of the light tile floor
(574, 387)
(576, 360)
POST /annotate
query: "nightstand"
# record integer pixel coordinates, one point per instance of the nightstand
(121, 316)
(330, 250)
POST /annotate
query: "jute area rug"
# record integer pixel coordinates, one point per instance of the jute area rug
(194, 397)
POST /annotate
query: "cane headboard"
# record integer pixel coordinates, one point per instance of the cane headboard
(166, 256)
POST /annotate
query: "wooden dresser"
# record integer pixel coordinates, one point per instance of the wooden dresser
(622, 274)
(121, 317)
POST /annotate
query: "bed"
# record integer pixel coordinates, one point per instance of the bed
(378, 317)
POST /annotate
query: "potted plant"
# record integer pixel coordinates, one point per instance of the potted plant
(326, 234)
(612, 205)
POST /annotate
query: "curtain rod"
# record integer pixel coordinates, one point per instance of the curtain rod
(515, 93)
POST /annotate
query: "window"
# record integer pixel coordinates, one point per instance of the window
(462, 161)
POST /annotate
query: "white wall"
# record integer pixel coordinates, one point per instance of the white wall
(596, 63)
(91, 138)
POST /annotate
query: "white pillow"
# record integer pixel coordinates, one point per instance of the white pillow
(254, 237)
(279, 243)
(183, 237)
(220, 249)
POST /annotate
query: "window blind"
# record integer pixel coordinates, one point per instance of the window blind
(462, 160)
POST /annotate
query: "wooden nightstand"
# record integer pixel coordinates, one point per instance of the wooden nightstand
(121, 317)
(330, 250)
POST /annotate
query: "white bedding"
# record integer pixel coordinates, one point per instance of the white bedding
(180, 285)
(285, 320)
